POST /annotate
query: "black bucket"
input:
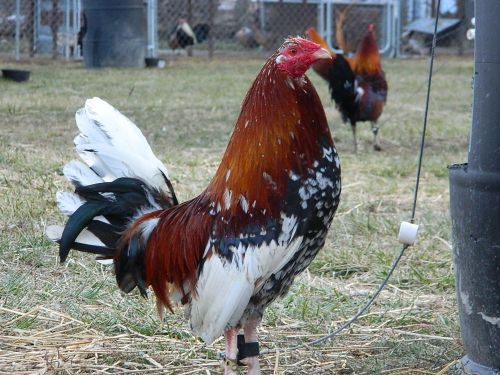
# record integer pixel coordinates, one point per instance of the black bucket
(115, 33)
(16, 75)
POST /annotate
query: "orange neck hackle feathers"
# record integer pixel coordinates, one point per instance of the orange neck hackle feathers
(366, 61)
(280, 121)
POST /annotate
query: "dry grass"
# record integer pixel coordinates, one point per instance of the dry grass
(70, 319)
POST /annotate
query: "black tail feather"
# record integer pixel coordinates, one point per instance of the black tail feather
(103, 252)
(201, 31)
(117, 201)
(130, 270)
(120, 185)
(76, 223)
(109, 234)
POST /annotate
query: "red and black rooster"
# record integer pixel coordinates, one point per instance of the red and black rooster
(229, 252)
(357, 85)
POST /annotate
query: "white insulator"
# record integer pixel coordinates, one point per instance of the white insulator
(407, 233)
(471, 34)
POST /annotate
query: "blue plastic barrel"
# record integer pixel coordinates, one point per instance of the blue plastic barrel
(114, 33)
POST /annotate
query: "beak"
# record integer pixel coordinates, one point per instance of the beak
(321, 54)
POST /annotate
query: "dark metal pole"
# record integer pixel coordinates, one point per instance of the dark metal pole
(475, 206)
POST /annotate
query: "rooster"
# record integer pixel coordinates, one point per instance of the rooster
(229, 252)
(357, 85)
(183, 35)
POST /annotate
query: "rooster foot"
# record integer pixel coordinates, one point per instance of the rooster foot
(230, 366)
(375, 129)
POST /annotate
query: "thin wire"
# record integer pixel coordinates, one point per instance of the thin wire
(415, 196)
(426, 113)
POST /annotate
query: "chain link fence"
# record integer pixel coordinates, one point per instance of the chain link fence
(55, 28)
(39, 27)
(238, 26)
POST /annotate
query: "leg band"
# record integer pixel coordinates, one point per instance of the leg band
(246, 349)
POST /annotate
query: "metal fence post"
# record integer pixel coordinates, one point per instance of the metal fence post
(475, 207)
(67, 30)
(262, 16)
(330, 13)
(321, 17)
(397, 33)
(211, 23)
(152, 28)
(189, 4)
(18, 29)
(36, 26)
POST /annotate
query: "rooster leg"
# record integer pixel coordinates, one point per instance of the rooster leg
(353, 127)
(376, 144)
(252, 346)
(230, 362)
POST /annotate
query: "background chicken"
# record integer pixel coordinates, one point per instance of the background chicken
(252, 37)
(229, 252)
(183, 35)
(357, 85)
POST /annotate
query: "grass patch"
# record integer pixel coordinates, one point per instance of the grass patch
(71, 318)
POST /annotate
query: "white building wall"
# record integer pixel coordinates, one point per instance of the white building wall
(423, 8)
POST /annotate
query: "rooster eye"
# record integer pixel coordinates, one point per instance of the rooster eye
(293, 51)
